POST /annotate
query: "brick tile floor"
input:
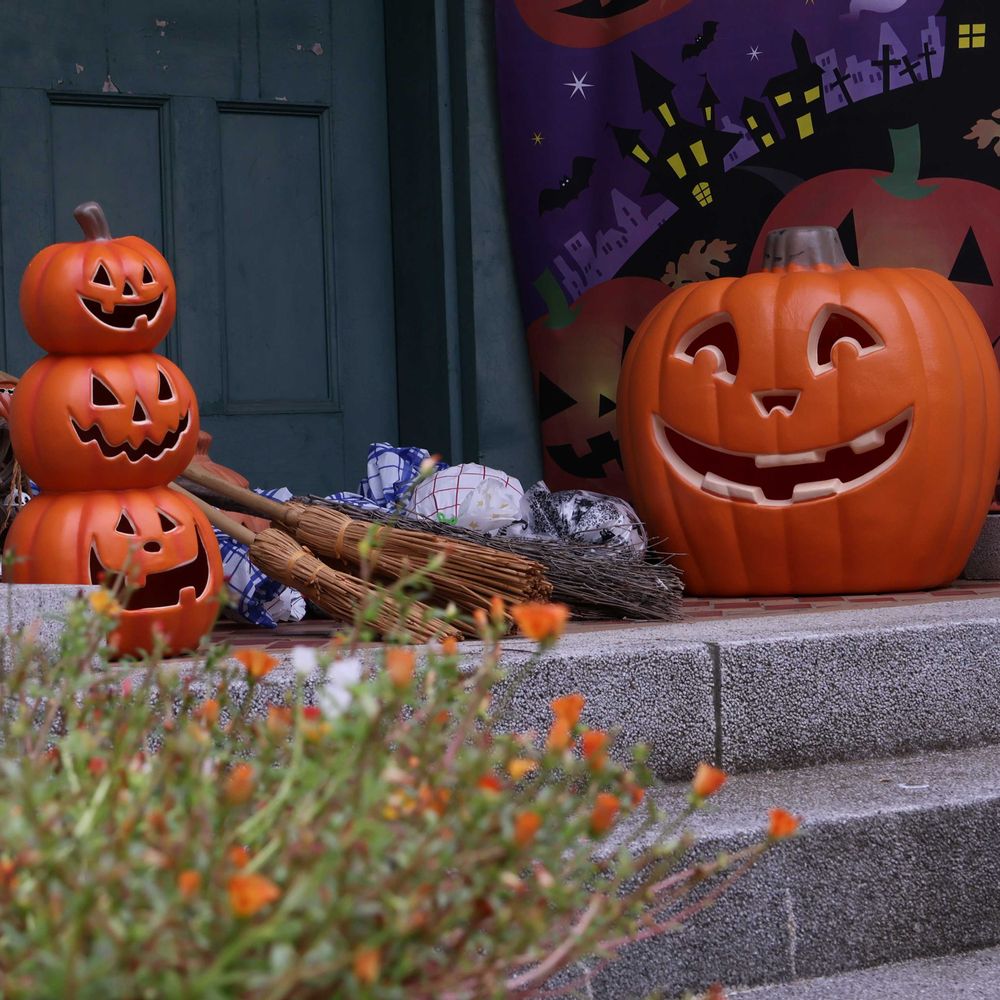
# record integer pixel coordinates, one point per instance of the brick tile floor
(313, 632)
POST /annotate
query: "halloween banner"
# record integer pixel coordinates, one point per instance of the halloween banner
(653, 143)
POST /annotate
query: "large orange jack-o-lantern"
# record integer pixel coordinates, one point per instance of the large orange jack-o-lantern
(163, 544)
(99, 295)
(813, 428)
(104, 421)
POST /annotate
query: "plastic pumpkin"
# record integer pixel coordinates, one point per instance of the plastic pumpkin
(162, 543)
(813, 428)
(99, 295)
(103, 421)
(576, 350)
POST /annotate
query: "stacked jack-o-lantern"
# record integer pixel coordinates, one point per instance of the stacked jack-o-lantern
(103, 425)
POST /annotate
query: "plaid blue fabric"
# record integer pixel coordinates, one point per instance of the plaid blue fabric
(391, 472)
(254, 596)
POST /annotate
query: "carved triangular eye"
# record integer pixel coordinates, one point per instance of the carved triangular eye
(164, 391)
(100, 394)
(552, 399)
(970, 266)
(848, 233)
(166, 523)
(101, 276)
(605, 405)
(124, 525)
(147, 276)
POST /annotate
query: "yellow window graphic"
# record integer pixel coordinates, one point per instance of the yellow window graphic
(972, 36)
(812, 94)
(805, 124)
(666, 115)
(640, 154)
(708, 113)
(751, 123)
(702, 193)
(698, 151)
(782, 99)
(677, 163)
(767, 139)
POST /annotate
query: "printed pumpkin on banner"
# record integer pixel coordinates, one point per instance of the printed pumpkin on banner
(639, 138)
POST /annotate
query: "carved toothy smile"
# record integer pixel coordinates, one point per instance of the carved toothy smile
(123, 317)
(148, 448)
(161, 590)
(776, 480)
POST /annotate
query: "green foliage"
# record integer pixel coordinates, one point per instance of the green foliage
(158, 842)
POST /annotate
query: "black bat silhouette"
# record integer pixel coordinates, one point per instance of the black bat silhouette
(601, 8)
(570, 188)
(702, 42)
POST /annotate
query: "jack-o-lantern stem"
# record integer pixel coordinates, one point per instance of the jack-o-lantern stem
(561, 313)
(804, 247)
(92, 221)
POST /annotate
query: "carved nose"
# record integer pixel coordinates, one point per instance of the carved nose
(152, 547)
(777, 399)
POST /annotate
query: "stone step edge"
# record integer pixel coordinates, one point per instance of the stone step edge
(894, 861)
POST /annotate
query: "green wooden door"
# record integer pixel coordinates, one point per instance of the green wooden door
(247, 139)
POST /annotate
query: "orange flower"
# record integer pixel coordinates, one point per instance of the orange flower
(526, 825)
(208, 711)
(520, 766)
(239, 784)
(541, 622)
(249, 894)
(707, 780)
(594, 744)
(189, 882)
(97, 766)
(568, 707)
(783, 824)
(279, 719)
(497, 611)
(102, 603)
(367, 964)
(449, 646)
(490, 783)
(636, 793)
(559, 737)
(604, 812)
(433, 799)
(258, 663)
(400, 663)
(238, 855)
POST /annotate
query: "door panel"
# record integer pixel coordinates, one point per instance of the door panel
(247, 140)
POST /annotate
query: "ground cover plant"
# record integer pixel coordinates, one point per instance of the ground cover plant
(164, 833)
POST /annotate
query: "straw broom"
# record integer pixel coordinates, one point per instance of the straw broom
(338, 594)
(471, 576)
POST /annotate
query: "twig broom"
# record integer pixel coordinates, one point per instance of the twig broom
(338, 594)
(471, 576)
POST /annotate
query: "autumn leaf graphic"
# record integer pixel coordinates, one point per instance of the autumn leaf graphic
(700, 262)
(986, 132)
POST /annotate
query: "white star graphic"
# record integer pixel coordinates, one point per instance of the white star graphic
(754, 54)
(578, 86)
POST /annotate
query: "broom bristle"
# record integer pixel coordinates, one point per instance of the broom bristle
(471, 576)
(339, 594)
(596, 581)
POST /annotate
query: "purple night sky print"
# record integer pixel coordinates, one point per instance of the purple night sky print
(656, 139)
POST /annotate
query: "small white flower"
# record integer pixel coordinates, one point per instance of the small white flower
(333, 696)
(304, 660)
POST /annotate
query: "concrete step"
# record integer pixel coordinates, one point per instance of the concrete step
(780, 691)
(896, 860)
(973, 975)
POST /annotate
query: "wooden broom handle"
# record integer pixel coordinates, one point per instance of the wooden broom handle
(221, 521)
(273, 510)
